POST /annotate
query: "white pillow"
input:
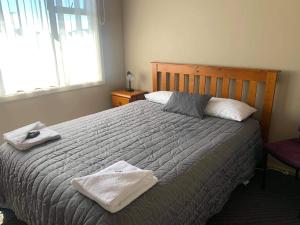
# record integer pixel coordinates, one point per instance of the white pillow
(228, 109)
(161, 97)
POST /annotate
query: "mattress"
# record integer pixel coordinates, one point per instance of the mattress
(198, 164)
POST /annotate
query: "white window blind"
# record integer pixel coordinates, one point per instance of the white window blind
(48, 43)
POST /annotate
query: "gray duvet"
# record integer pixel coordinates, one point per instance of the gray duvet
(198, 164)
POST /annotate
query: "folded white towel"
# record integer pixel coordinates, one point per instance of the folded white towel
(17, 138)
(116, 186)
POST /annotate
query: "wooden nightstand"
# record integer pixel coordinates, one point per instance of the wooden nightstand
(123, 97)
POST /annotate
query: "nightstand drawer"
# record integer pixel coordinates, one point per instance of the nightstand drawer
(118, 101)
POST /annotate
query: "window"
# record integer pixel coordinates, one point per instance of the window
(48, 43)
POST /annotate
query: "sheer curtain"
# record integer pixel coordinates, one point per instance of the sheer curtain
(48, 43)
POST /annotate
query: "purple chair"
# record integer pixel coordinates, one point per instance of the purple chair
(287, 152)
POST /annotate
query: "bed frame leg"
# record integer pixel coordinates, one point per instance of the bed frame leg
(265, 161)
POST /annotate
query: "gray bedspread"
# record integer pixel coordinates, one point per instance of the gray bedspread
(198, 164)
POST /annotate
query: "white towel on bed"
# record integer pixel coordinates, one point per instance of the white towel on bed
(116, 186)
(17, 138)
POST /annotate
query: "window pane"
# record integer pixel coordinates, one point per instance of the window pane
(69, 24)
(79, 59)
(85, 23)
(27, 59)
(65, 3)
(82, 4)
(42, 46)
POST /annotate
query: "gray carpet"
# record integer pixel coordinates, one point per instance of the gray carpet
(279, 204)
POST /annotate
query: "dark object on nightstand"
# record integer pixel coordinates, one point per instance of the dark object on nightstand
(129, 78)
(123, 97)
(287, 152)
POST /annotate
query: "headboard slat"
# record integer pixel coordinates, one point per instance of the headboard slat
(213, 86)
(252, 93)
(181, 82)
(164, 80)
(212, 73)
(202, 85)
(191, 83)
(225, 88)
(238, 89)
(172, 82)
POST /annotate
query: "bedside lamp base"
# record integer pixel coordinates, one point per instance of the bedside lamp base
(129, 87)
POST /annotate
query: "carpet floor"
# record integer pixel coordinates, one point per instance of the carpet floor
(279, 204)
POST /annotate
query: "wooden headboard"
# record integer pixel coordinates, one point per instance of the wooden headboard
(216, 79)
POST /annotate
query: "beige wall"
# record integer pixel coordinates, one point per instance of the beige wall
(242, 33)
(54, 108)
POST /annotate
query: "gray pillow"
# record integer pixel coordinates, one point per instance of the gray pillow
(187, 104)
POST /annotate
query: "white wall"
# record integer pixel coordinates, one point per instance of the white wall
(58, 107)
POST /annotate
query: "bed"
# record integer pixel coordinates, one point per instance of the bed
(198, 162)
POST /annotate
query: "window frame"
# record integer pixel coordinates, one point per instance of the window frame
(41, 92)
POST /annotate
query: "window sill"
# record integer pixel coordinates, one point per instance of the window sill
(33, 94)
